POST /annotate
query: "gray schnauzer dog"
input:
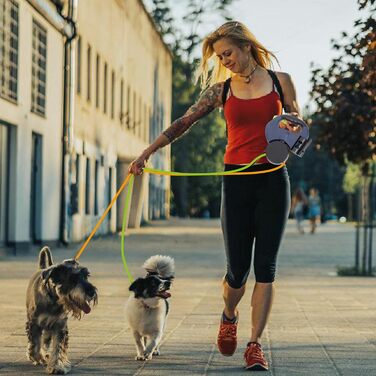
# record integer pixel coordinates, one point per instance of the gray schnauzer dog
(54, 291)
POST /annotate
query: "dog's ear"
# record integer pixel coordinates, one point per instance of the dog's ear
(45, 258)
(136, 285)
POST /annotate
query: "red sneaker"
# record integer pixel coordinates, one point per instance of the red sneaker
(254, 357)
(227, 340)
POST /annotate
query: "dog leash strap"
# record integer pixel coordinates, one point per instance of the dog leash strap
(124, 226)
(78, 254)
(238, 171)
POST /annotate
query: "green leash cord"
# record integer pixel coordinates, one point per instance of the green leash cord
(221, 173)
(125, 216)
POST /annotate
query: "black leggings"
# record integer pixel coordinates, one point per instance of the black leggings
(254, 207)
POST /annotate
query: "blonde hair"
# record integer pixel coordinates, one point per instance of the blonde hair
(210, 72)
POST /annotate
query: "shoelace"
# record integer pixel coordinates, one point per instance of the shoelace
(228, 330)
(256, 352)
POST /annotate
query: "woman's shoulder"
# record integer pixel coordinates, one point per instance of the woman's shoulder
(283, 77)
(214, 93)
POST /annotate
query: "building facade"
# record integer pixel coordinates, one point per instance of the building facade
(123, 97)
(31, 88)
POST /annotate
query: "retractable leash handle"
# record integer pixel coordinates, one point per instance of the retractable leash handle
(281, 141)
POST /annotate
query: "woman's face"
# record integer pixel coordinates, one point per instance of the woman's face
(231, 56)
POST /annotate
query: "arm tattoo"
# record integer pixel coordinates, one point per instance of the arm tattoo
(209, 100)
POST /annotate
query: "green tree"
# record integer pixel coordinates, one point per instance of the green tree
(345, 116)
(345, 96)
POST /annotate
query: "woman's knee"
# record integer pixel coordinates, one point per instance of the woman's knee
(236, 280)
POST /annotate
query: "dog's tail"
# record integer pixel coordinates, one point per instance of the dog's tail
(164, 266)
(45, 258)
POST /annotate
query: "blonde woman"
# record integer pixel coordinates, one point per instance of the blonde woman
(254, 208)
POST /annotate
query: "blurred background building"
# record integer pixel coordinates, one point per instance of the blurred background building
(84, 86)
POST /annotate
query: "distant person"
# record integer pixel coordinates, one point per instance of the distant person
(255, 207)
(314, 208)
(298, 204)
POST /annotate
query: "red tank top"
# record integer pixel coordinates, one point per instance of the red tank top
(246, 120)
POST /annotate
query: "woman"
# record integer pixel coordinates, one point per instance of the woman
(314, 208)
(299, 201)
(254, 207)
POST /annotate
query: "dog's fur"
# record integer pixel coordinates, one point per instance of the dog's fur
(147, 306)
(54, 291)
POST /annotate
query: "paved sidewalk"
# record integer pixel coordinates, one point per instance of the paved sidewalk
(320, 324)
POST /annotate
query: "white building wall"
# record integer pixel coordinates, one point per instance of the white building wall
(24, 122)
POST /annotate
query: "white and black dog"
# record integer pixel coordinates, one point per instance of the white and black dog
(147, 306)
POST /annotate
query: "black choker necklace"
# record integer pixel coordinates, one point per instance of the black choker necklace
(248, 77)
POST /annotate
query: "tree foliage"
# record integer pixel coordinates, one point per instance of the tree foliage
(345, 95)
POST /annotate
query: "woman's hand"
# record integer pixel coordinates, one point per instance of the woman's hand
(292, 127)
(137, 166)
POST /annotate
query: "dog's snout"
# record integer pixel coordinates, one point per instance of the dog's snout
(167, 284)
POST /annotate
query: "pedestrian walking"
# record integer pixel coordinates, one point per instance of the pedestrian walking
(298, 204)
(254, 208)
(314, 208)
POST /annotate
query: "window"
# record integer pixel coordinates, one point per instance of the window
(96, 191)
(8, 49)
(121, 102)
(97, 69)
(88, 89)
(128, 107)
(78, 65)
(87, 187)
(146, 124)
(39, 69)
(105, 89)
(140, 124)
(112, 95)
(134, 112)
(75, 187)
(109, 198)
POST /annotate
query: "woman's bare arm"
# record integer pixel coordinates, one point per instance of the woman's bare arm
(208, 101)
(289, 93)
(291, 103)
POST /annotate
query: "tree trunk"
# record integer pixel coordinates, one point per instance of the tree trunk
(365, 209)
(350, 207)
(357, 233)
(371, 217)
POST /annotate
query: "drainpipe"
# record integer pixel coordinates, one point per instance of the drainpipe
(68, 122)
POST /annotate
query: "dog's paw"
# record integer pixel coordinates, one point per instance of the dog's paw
(35, 359)
(156, 352)
(147, 355)
(59, 369)
(139, 357)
